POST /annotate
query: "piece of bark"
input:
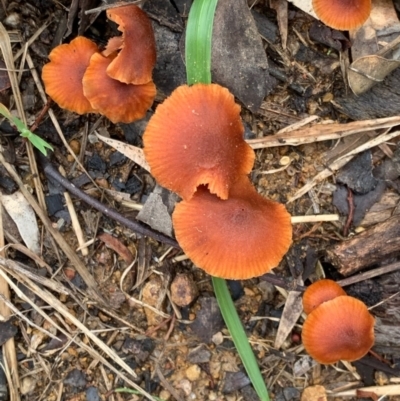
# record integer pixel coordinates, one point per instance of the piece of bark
(367, 248)
(239, 61)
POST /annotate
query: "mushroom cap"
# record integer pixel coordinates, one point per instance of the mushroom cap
(239, 238)
(320, 292)
(196, 138)
(342, 14)
(339, 329)
(62, 77)
(136, 60)
(117, 101)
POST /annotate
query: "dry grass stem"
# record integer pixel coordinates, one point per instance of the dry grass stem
(26, 251)
(322, 132)
(64, 312)
(370, 274)
(388, 390)
(75, 221)
(53, 285)
(302, 123)
(6, 50)
(32, 39)
(9, 351)
(144, 305)
(16, 312)
(315, 218)
(77, 263)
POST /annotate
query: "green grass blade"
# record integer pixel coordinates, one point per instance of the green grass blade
(239, 337)
(198, 41)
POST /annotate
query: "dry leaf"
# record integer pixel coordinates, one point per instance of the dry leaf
(116, 245)
(281, 8)
(291, 313)
(305, 5)
(131, 152)
(24, 217)
(372, 64)
(367, 71)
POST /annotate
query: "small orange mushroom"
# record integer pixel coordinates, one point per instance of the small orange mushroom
(62, 77)
(342, 14)
(239, 238)
(339, 329)
(196, 138)
(136, 60)
(320, 292)
(118, 101)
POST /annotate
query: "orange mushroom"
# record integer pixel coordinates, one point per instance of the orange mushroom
(239, 238)
(342, 14)
(136, 60)
(62, 77)
(320, 292)
(196, 138)
(339, 329)
(116, 100)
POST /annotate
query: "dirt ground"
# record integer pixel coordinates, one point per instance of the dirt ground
(124, 310)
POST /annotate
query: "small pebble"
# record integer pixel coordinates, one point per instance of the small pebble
(234, 381)
(165, 395)
(186, 386)
(284, 161)
(249, 292)
(75, 378)
(381, 378)
(314, 393)
(75, 145)
(200, 354)
(193, 372)
(152, 294)
(218, 338)
(92, 394)
(28, 385)
(328, 97)
(183, 290)
(13, 20)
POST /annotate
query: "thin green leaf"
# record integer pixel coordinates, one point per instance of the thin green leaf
(38, 143)
(34, 139)
(239, 337)
(14, 120)
(198, 41)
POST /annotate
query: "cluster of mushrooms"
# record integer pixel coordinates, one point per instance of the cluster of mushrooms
(116, 82)
(195, 147)
(338, 327)
(342, 14)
